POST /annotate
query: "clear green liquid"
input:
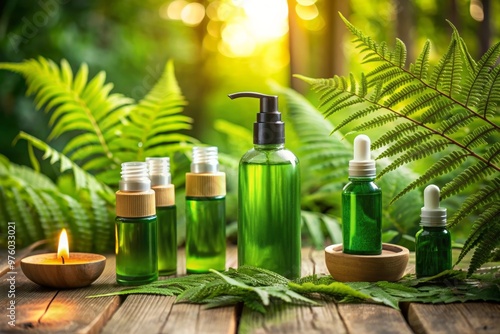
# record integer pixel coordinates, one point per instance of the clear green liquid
(136, 250)
(167, 240)
(205, 234)
(432, 251)
(362, 217)
(269, 217)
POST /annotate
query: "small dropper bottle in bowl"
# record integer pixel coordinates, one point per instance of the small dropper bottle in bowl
(362, 204)
(159, 174)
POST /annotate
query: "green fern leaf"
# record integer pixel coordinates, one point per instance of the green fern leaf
(421, 68)
(478, 136)
(425, 150)
(376, 122)
(82, 178)
(357, 115)
(489, 242)
(422, 102)
(455, 123)
(76, 106)
(447, 74)
(399, 55)
(476, 82)
(103, 226)
(155, 118)
(409, 141)
(444, 165)
(490, 193)
(488, 105)
(467, 177)
(407, 92)
(396, 134)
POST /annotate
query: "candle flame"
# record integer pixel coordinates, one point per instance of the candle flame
(63, 249)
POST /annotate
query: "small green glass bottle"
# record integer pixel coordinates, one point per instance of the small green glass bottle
(269, 217)
(433, 241)
(135, 227)
(362, 204)
(159, 173)
(205, 213)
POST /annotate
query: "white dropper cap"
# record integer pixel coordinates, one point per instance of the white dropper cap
(432, 214)
(362, 164)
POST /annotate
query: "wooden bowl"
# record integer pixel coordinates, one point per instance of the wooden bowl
(80, 270)
(388, 266)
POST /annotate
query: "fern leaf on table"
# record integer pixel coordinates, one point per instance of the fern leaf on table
(450, 112)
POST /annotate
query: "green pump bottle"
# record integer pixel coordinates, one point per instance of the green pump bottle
(269, 196)
(433, 241)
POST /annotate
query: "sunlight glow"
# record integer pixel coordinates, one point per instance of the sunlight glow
(476, 10)
(174, 10)
(193, 13)
(307, 12)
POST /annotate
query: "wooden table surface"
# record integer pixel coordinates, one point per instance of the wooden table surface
(44, 310)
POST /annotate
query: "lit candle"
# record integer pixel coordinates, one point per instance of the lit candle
(60, 270)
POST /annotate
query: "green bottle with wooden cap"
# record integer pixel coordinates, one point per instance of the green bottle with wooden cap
(135, 227)
(166, 212)
(205, 213)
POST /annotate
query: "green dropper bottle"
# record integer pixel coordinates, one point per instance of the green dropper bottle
(205, 213)
(269, 196)
(135, 227)
(159, 174)
(362, 204)
(433, 241)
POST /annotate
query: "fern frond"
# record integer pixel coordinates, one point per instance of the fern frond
(82, 178)
(447, 74)
(421, 67)
(478, 136)
(400, 131)
(413, 154)
(455, 123)
(490, 241)
(478, 171)
(488, 105)
(357, 115)
(156, 120)
(405, 143)
(444, 165)
(476, 82)
(490, 193)
(76, 105)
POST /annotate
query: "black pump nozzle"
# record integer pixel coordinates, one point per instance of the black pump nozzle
(269, 129)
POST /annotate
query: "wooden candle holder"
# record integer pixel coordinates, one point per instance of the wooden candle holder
(79, 270)
(388, 266)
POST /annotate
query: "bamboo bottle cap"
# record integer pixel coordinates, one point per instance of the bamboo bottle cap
(205, 184)
(134, 204)
(165, 195)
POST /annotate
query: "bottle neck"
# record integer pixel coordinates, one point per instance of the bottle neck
(434, 228)
(269, 146)
(361, 178)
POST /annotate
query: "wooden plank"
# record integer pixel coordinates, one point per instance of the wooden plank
(159, 314)
(455, 318)
(296, 319)
(371, 318)
(47, 310)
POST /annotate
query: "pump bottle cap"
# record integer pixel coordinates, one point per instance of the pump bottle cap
(362, 165)
(269, 128)
(432, 214)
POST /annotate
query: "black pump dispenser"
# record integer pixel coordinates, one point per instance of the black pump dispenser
(268, 129)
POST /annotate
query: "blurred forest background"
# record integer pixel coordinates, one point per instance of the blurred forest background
(218, 47)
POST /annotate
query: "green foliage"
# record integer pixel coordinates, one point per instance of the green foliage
(447, 112)
(105, 130)
(258, 288)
